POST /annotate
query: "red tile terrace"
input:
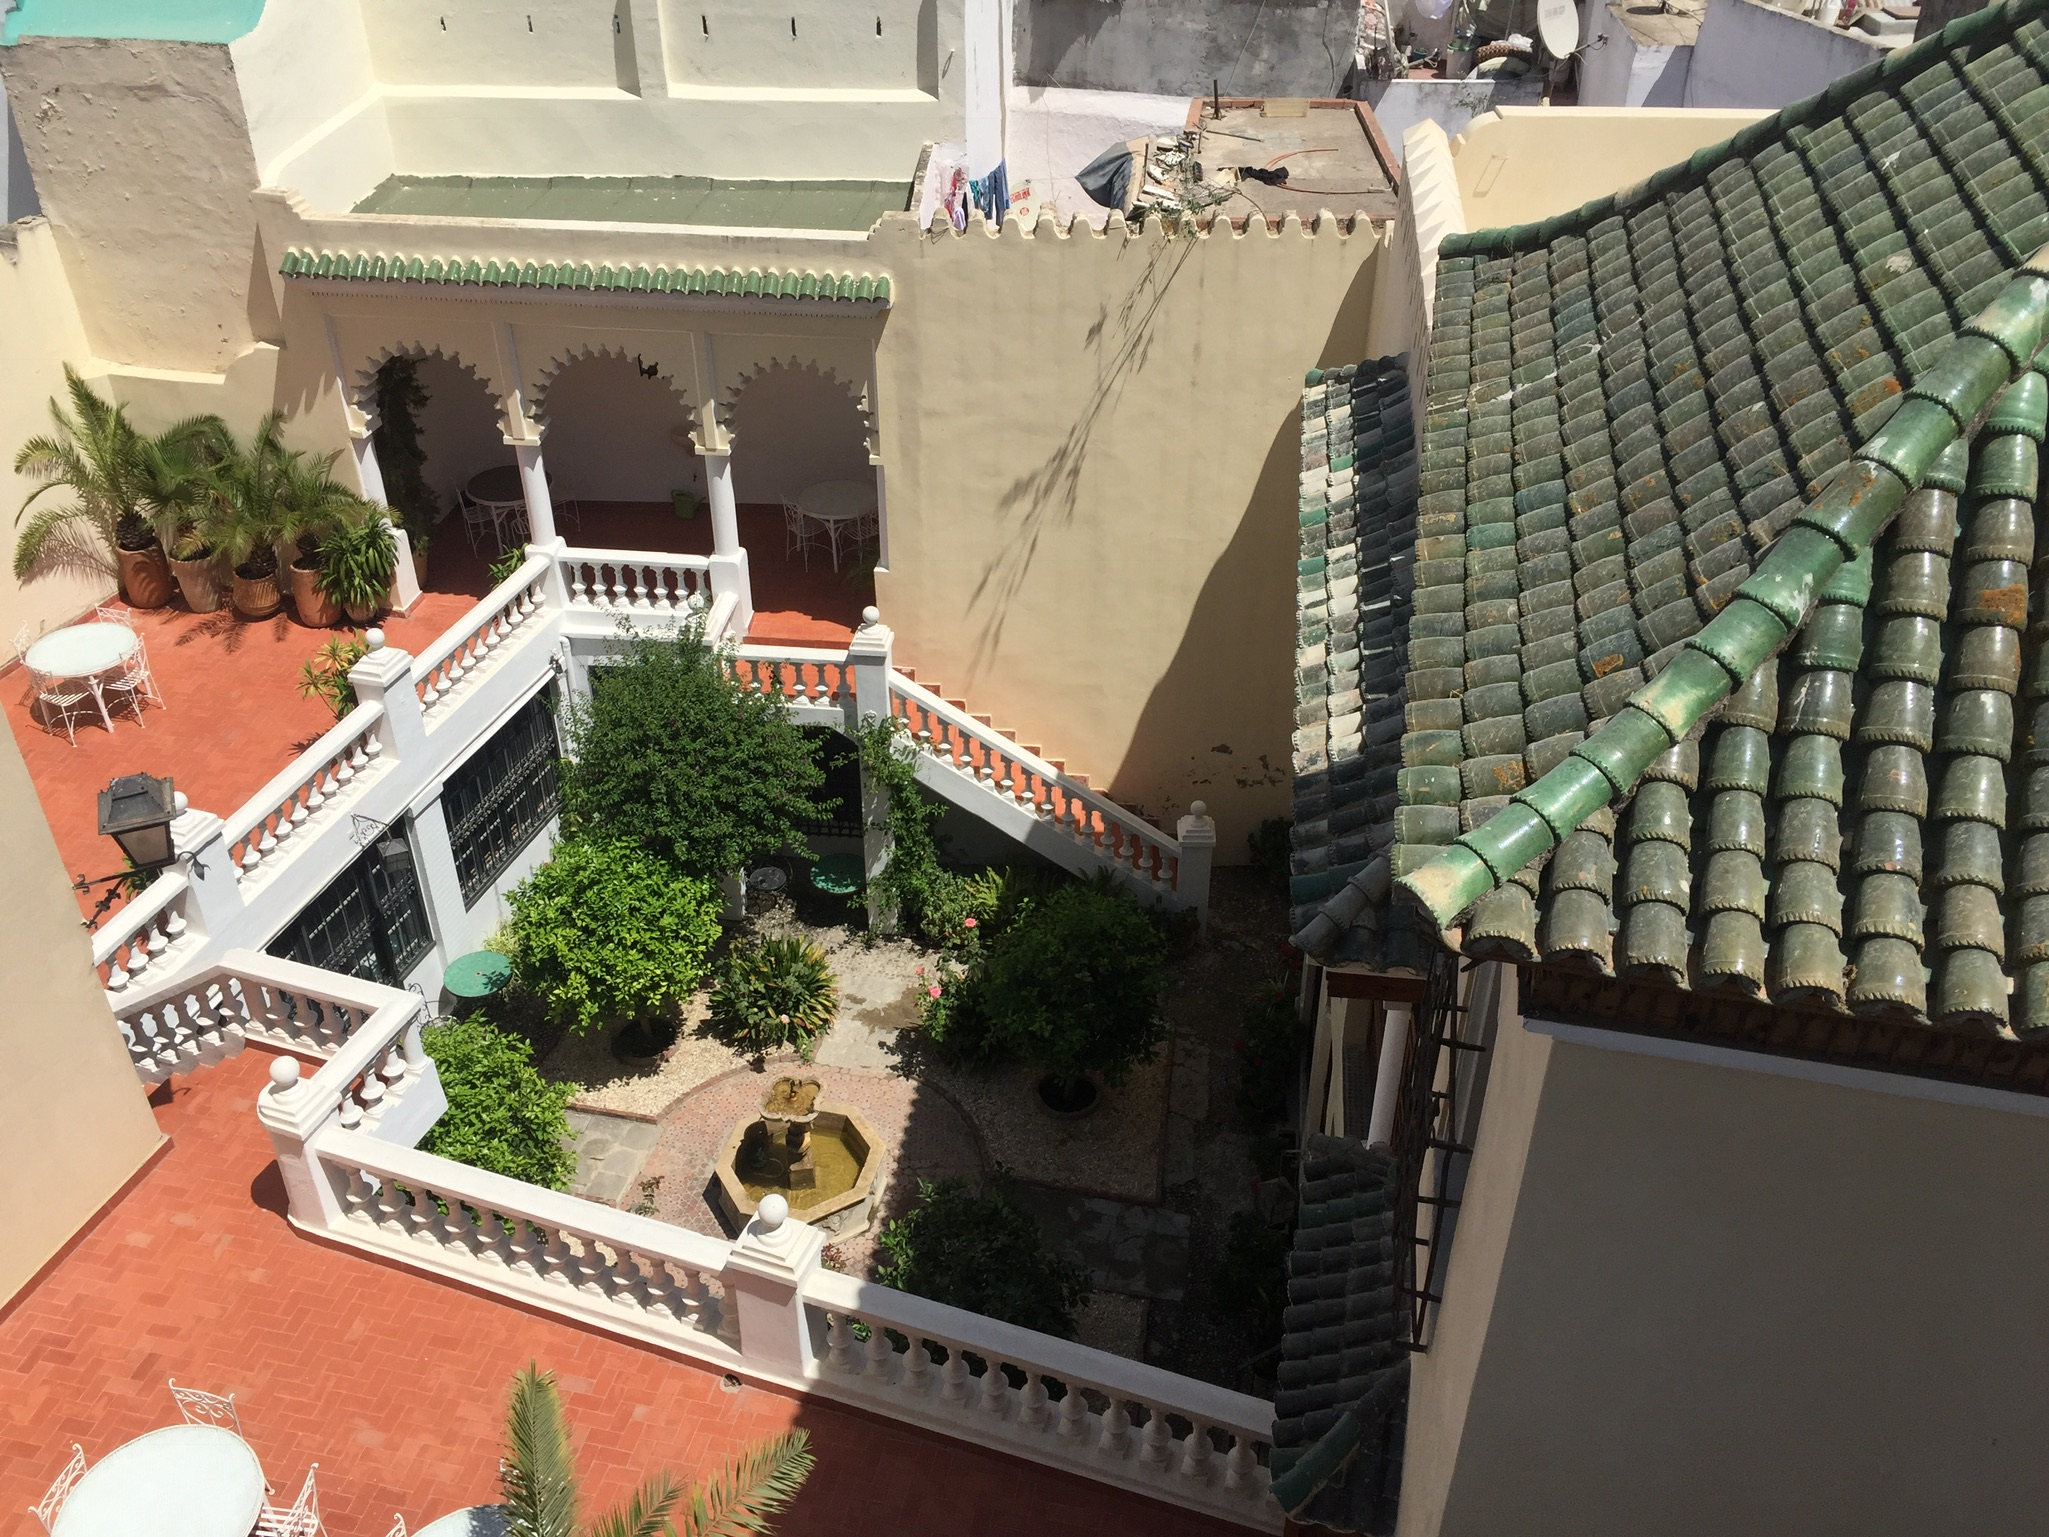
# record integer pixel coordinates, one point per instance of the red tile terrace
(394, 1383)
(235, 717)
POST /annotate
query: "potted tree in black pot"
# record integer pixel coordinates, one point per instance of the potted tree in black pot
(357, 560)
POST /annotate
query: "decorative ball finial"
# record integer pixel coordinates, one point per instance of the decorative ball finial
(1197, 809)
(374, 639)
(284, 1073)
(180, 803)
(870, 617)
(772, 1212)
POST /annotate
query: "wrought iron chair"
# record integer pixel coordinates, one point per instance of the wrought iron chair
(206, 1408)
(46, 1510)
(302, 1520)
(135, 683)
(398, 1525)
(801, 533)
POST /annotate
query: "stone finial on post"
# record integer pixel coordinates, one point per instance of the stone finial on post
(1197, 833)
(214, 897)
(869, 659)
(291, 1114)
(764, 1278)
(385, 676)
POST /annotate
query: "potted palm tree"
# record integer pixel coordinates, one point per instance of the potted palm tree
(96, 454)
(538, 1477)
(357, 561)
(177, 474)
(272, 510)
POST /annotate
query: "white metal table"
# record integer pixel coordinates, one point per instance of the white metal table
(839, 507)
(181, 1481)
(85, 653)
(471, 1521)
(500, 492)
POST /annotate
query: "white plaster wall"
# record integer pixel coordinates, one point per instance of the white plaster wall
(1752, 55)
(615, 436)
(459, 429)
(1398, 105)
(803, 45)
(316, 124)
(550, 44)
(1618, 71)
(792, 428)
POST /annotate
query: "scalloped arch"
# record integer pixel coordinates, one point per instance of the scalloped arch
(362, 384)
(855, 390)
(558, 362)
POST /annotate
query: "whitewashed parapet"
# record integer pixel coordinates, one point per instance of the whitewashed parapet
(637, 583)
(1049, 1399)
(313, 790)
(149, 935)
(818, 685)
(440, 671)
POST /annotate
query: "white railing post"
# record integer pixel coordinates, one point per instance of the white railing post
(869, 659)
(729, 556)
(764, 1278)
(1197, 835)
(292, 1110)
(385, 676)
(214, 895)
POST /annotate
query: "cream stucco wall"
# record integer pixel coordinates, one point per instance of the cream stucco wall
(74, 1121)
(1721, 1292)
(1516, 164)
(40, 332)
(310, 93)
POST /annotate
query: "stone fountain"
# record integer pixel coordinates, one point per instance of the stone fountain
(820, 1157)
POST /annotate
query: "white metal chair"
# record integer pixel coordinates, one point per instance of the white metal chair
(801, 533)
(60, 1491)
(398, 1525)
(135, 683)
(206, 1408)
(302, 1520)
(477, 521)
(64, 702)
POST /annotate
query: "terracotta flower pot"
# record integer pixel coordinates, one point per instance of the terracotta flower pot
(362, 613)
(312, 604)
(145, 577)
(199, 582)
(420, 565)
(256, 597)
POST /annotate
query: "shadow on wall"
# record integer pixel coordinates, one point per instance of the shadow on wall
(459, 428)
(1044, 500)
(1219, 725)
(792, 427)
(617, 433)
(1178, 47)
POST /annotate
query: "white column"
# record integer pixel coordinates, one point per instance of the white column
(881, 521)
(369, 473)
(1387, 1084)
(868, 654)
(533, 482)
(440, 884)
(728, 557)
(1197, 833)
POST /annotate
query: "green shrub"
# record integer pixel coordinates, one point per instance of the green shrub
(1270, 1052)
(605, 931)
(911, 882)
(326, 675)
(502, 1114)
(772, 994)
(1252, 1282)
(1070, 983)
(981, 1251)
(672, 753)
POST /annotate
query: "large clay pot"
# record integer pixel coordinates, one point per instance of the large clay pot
(256, 597)
(314, 606)
(145, 577)
(362, 613)
(199, 582)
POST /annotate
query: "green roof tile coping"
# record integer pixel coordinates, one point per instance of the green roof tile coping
(1790, 579)
(713, 281)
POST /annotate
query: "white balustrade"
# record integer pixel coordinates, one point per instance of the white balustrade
(312, 791)
(147, 936)
(443, 667)
(637, 583)
(800, 675)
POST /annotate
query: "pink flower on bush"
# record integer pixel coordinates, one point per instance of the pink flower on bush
(933, 990)
(968, 923)
(918, 971)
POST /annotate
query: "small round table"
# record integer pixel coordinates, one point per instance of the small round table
(839, 507)
(839, 874)
(499, 492)
(471, 1521)
(472, 978)
(181, 1481)
(84, 652)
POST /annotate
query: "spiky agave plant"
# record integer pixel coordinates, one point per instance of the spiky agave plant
(538, 1476)
(774, 993)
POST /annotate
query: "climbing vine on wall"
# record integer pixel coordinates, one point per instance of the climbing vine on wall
(912, 880)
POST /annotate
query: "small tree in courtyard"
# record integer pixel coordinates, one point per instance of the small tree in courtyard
(673, 753)
(981, 1251)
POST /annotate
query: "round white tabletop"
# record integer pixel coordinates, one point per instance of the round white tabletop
(181, 1481)
(837, 501)
(81, 650)
(499, 486)
(472, 1521)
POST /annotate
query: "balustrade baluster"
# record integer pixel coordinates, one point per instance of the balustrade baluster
(995, 1389)
(523, 1245)
(393, 1211)
(1116, 1429)
(1156, 1439)
(1195, 1454)
(371, 1092)
(590, 1267)
(355, 1191)
(953, 1376)
(350, 1115)
(839, 1342)
(557, 1263)
(880, 1356)
(267, 844)
(637, 597)
(1074, 1414)
(174, 924)
(1241, 1466)
(1031, 1407)
(917, 1366)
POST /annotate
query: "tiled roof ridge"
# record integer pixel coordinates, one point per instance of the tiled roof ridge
(1946, 405)
(753, 282)
(1892, 70)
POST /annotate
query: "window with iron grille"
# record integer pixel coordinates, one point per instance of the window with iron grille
(840, 794)
(370, 922)
(498, 802)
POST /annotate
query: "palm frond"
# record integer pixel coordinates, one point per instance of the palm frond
(742, 1495)
(538, 1475)
(62, 540)
(646, 1514)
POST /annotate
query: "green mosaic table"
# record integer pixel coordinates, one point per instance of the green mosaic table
(839, 874)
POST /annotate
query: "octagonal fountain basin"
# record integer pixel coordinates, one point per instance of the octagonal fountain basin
(820, 1157)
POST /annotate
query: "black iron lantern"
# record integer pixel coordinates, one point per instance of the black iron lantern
(136, 811)
(395, 854)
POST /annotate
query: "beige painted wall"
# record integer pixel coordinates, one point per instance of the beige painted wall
(1516, 164)
(39, 333)
(316, 120)
(74, 1121)
(1695, 1298)
(615, 436)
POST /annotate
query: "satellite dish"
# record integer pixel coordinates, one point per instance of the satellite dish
(1558, 26)
(1435, 10)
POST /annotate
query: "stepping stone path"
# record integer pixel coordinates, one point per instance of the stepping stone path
(610, 1150)
(1138, 1251)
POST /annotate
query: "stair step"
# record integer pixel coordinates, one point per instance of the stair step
(980, 720)
(1008, 736)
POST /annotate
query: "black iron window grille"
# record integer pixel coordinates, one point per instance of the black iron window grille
(370, 922)
(498, 802)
